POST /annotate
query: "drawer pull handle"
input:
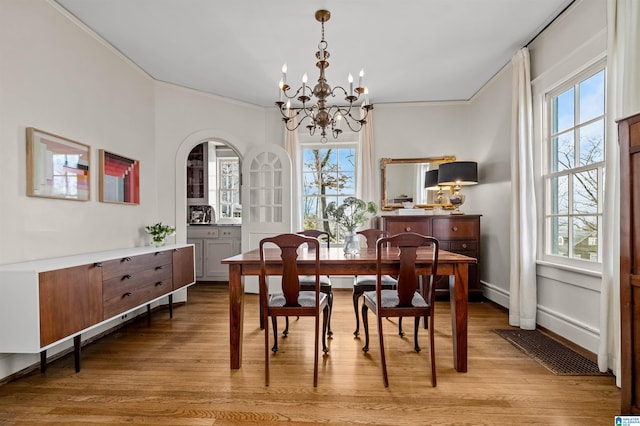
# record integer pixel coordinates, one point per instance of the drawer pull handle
(126, 259)
(159, 267)
(126, 277)
(464, 246)
(454, 229)
(407, 229)
(159, 283)
(98, 264)
(127, 294)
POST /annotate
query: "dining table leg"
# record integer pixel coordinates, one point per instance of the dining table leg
(236, 315)
(458, 294)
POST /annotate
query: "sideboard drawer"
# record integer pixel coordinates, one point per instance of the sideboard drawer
(136, 296)
(131, 264)
(455, 228)
(128, 283)
(460, 246)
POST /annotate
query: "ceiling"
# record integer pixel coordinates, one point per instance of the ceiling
(411, 50)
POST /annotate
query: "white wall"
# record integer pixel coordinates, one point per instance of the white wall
(58, 78)
(61, 80)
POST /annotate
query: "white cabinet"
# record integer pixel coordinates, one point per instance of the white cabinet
(212, 244)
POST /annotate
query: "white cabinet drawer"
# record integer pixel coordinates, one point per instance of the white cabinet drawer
(202, 232)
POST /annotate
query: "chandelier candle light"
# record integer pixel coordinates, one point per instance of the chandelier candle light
(319, 115)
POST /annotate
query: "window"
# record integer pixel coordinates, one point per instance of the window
(575, 168)
(229, 187)
(328, 174)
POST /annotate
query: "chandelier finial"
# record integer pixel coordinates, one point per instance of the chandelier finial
(327, 118)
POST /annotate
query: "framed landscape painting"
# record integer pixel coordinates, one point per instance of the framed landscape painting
(57, 167)
(119, 179)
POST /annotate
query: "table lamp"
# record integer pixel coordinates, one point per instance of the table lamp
(457, 174)
(431, 184)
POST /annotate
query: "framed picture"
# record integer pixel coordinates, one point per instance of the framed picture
(119, 179)
(57, 167)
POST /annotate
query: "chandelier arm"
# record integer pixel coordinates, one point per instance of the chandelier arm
(285, 92)
(353, 127)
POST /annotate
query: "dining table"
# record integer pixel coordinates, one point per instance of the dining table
(334, 261)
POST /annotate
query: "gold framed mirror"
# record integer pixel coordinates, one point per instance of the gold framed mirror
(403, 181)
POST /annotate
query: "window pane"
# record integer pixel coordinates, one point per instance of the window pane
(560, 195)
(328, 176)
(563, 153)
(592, 143)
(563, 111)
(559, 236)
(585, 192)
(592, 97)
(585, 238)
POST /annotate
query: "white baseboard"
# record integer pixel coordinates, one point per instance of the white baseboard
(569, 328)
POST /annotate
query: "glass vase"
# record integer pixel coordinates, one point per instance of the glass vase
(351, 243)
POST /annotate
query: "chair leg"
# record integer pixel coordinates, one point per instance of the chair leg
(330, 295)
(285, 333)
(433, 353)
(325, 314)
(383, 360)
(416, 347)
(400, 331)
(356, 297)
(266, 350)
(365, 324)
(315, 353)
(274, 321)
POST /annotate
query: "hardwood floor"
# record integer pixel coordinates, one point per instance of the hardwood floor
(176, 372)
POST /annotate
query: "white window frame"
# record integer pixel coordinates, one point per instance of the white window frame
(344, 142)
(236, 212)
(548, 174)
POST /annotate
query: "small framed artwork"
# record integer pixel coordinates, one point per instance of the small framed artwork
(57, 167)
(119, 179)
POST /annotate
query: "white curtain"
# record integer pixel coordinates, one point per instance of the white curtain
(623, 99)
(523, 291)
(292, 146)
(365, 178)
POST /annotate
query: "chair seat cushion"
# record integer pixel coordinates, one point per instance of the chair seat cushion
(390, 299)
(371, 279)
(306, 279)
(305, 299)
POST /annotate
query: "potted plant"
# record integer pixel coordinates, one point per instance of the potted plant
(159, 232)
(352, 213)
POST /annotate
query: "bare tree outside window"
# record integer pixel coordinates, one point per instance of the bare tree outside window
(575, 181)
(328, 174)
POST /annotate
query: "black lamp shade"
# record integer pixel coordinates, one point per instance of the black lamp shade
(431, 179)
(458, 173)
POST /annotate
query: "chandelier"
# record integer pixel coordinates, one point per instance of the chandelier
(320, 115)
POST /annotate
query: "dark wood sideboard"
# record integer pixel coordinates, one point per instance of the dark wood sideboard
(629, 140)
(48, 301)
(457, 233)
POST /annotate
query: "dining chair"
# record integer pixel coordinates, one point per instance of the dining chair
(307, 281)
(405, 300)
(292, 300)
(362, 283)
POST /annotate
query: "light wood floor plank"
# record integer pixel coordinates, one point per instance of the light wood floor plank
(176, 372)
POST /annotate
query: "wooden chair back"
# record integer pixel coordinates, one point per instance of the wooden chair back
(372, 235)
(288, 245)
(407, 245)
(315, 233)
